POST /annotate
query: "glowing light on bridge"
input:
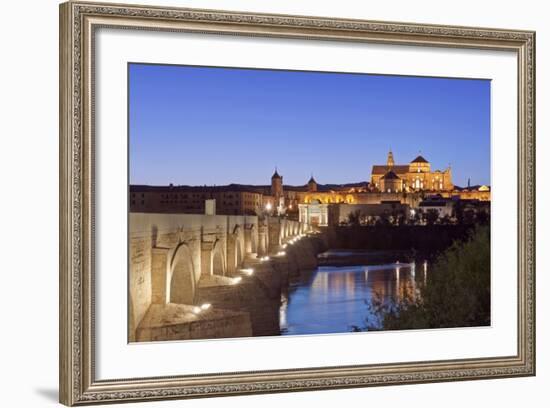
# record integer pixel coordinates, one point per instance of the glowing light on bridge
(281, 253)
(197, 310)
(425, 272)
(294, 240)
(248, 271)
(268, 206)
(397, 273)
(236, 280)
(206, 306)
(264, 258)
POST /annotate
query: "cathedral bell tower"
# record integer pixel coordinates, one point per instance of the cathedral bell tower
(390, 163)
(277, 192)
(276, 185)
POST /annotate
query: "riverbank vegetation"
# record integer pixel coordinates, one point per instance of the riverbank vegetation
(464, 212)
(456, 292)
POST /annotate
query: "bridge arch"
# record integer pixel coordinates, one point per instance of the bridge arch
(182, 276)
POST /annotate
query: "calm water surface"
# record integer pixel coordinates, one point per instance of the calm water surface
(334, 299)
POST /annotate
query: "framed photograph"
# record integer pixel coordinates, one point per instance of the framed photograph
(256, 203)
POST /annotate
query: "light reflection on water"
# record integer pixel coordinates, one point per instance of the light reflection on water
(334, 299)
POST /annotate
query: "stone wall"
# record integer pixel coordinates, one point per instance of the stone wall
(176, 322)
(139, 279)
(193, 259)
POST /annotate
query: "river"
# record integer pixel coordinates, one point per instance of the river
(336, 299)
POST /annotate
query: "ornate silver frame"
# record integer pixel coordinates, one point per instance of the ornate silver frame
(78, 384)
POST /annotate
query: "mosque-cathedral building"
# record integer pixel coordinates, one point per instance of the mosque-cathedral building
(390, 184)
(415, 176)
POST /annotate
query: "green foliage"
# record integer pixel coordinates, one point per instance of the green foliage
(383, 220)
(457, 293)
(445, 220)
(354, 218)
(417, 219)
(431, 216)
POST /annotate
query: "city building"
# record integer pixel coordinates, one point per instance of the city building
(415, 176)
(443, 206)
(230, 200)
(406, 184)
(367, 214)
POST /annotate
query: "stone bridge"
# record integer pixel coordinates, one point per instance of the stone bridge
(177, 261)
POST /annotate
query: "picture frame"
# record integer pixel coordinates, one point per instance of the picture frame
(79, 22)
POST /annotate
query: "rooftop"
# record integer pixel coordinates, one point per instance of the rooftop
(398, 169)
(390, 175)
(420, 159)
(260, 189)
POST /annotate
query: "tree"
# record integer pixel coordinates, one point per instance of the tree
(383, 219)
(458, 212)
(457, 293)
(445, 220)
(417, 218)
(400, 218)
(354, 218)
(469, 216)
(483, 217)
(431, 216)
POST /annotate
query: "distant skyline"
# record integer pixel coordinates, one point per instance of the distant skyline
(216, 126)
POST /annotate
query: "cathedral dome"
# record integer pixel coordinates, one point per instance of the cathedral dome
(420, 159)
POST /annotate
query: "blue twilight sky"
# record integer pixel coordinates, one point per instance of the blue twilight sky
(197, 125)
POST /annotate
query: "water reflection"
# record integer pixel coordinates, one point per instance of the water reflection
(334, 299)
